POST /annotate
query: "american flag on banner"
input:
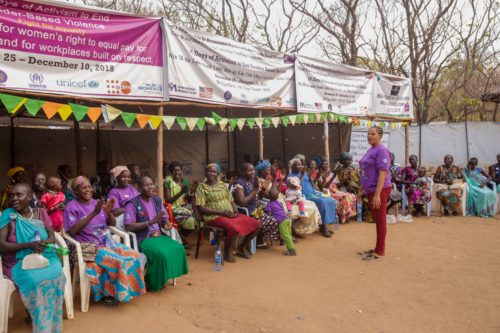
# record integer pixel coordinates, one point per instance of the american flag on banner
(319, 106)
(206, 92)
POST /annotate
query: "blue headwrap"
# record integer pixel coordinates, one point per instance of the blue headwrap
(262, 165)
(214, 165)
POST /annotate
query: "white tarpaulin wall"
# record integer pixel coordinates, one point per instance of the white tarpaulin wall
(441, 139)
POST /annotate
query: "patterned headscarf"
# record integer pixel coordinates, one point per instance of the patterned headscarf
(116, 171)
(292, 162)
(12, 171)
(262, 165)
(345, 155)
(300, 157)
(214, 165)
(75, 183)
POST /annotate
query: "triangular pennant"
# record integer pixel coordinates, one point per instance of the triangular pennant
(259, 122)
(232, 123)
(311, 117)
(142, 119)
(275, 121)
(182, 122)
(216, 117)
(332, 117)
(241, 123)
(168, 121)
(191, 122)
(94, 114)
(64, 112)
(222, 123)
(344, 119)
(267, 122)
(128, 118)
(285, 120)
(382, 124)
(112, 113)
(324, 116)
(33, 106)
(250, 122)
(393, 125)
(292, 119)
(210, 121)
(50, 109)
(155, 121)
(369, 123)
(79, 111)
(12, 103)
(300, 119)
(201, 124)
(318, 117)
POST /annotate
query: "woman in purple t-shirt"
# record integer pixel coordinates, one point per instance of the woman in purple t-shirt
(376, 183)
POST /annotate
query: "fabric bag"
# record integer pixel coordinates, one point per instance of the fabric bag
(34, 261)
(89, 251)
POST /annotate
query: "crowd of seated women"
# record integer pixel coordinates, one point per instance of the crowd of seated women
(264, 200)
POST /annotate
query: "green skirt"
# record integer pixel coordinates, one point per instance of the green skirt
(166, 260)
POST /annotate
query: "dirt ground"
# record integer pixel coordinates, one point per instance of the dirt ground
(440, 275)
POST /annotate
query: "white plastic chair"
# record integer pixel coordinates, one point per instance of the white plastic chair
(428, 206)
(79, 273)
(7, 287)
(439, 205)
(253, 242)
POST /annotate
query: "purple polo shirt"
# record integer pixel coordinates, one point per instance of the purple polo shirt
(95, 230)
(376, 159)
(277, 211)
(122, 195)
(149, 213)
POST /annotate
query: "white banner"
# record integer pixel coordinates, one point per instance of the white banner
(393, 97)
(359, 144)
(214, 69)
(327, 87)
(75, 50)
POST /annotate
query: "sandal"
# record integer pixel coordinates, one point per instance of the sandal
(291, 252)
(229, 259)
(373, 257)
(263, 246)
(243, 255)
(366, 253)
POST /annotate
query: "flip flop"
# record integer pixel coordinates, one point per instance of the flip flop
(230, 259)
(290, 253)
(366, 253)
(243, 255)
(373, 257)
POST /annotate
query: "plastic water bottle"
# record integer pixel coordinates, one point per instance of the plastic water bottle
(218, 260)
(359, 210)
(110, 243)
(37, 237)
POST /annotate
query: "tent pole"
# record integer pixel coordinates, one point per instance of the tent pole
(261, 139)
(466, 135)
(159, 155)
(207, 150)
(12, 143)
(235, 157)
(78, 147)
(407, 142)
(283, 145)
(341, 143)
(325, 139)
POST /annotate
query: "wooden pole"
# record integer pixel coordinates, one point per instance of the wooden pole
(207, 150)
(261, 139)
(407, 143)
(235, 151)
(341, 143)
(159, 156)
(78, 147)
(97, 144)
(283, 145)
(325, 139)
(12, 144)
(228, 144)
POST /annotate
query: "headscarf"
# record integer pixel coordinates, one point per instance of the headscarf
(299, 157)
(214, 165)
(345, 155)
(75, 183)
(262, 165)
(295, 181)
(292, 162)
(12, 171)
(116, 171)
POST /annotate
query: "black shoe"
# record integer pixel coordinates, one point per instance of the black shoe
(324, 231)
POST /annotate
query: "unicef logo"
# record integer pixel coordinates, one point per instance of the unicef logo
(3, 77)
(93, 84)
(36, 78)
(228, 95)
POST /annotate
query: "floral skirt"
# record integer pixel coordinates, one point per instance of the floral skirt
(346, 206)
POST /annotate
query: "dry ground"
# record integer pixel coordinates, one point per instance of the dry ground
(440, 275)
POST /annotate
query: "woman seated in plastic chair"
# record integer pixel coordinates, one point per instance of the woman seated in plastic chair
(178, 194)
(123, 193)
(146, 216)
(218, 209)
(24, 231)
(115, 274)
(480, 198)
(448, 186)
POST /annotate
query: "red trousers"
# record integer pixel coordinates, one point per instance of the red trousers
(380, 215)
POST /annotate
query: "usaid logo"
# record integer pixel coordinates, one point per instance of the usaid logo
(3, 77)
(36, 78)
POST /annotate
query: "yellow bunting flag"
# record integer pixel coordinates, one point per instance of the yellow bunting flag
(275, 121)
(112, 113)
(94, 114)
(191, 122)
(241, 123)
(50, 109)
(259, 122)
(223, 123)
(168, 121)
(65, 112)
(142, 119)
(155, 121)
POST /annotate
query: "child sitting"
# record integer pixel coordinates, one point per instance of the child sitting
(293, 195)
(422, 193)
(53, 201)
(275, 208)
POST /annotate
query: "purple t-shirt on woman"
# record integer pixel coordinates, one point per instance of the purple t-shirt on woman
(376, 159)
(131, 215)
(122, 195)
(95, 230)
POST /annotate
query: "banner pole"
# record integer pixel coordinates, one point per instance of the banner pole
(325, 139)
(261, 139)
(407, 143)
(159, 156)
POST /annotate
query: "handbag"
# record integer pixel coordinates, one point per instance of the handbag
(89, 251)
(34, 261)
(395, 194)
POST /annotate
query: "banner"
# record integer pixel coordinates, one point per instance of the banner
(214, 69)
(393, 97)
(360, 145)
(327, 87)
(78, 51)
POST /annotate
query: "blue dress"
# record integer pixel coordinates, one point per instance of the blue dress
(326, 205)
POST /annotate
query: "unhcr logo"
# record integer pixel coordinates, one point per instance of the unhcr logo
(37, 80)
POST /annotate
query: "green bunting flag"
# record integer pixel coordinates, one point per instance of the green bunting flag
(311, 117)
(324, 116)
(250, 122)
(182, 122)
(232, 123)
(80, 111)
(216, 117)
(128, 118)
(12, 103)
(300, 119)
(267, 122)
(285, 120)
(33, 106)
(201, 124)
